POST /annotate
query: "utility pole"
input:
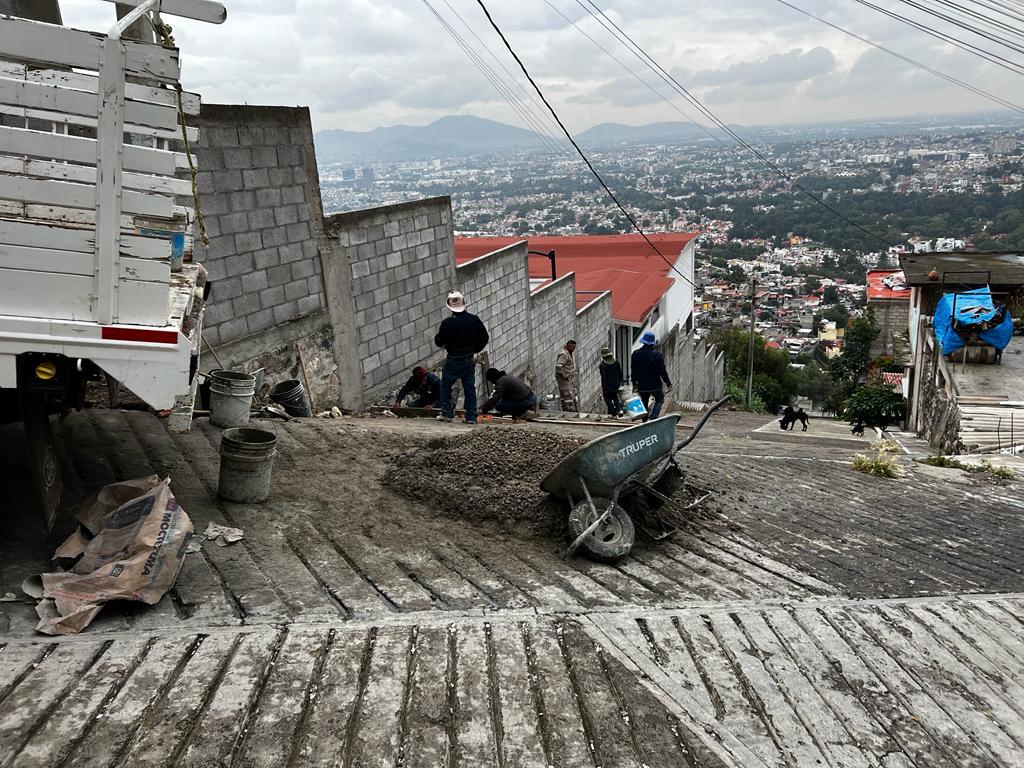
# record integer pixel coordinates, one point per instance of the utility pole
(750, 345)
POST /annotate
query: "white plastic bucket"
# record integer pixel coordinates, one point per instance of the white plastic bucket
(231, 398)
(635, 407)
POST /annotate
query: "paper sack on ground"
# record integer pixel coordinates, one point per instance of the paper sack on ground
(132, 546)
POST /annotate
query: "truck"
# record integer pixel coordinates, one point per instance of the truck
(97, 207)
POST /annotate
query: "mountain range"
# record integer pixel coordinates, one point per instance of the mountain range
(458, 135)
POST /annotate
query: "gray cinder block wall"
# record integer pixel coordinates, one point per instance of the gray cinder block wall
(389, 273)
(697, 369)
(254, 187)
(593, 331)
(552, 323)
(260, 194)
(497, 289)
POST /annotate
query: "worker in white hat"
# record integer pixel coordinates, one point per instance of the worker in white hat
(463, 335)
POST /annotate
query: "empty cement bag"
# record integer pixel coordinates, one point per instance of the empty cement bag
(135, 553)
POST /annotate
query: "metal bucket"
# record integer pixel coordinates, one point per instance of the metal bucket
(246, 464)
(292, 396)
(231, 398)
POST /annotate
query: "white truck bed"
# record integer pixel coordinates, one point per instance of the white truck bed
(89, 177)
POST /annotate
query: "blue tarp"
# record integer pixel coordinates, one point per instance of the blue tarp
(971, 312)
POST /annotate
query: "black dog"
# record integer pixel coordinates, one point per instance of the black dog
(791, 417)
(858, 428)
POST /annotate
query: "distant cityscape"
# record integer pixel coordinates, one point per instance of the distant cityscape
(892, 188)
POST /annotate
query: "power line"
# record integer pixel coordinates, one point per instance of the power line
(639, 52)
(999, 61)
(963, 25)
(633, 72)
(543, 116)
(918, 64)
(496, 82)
(579, 151)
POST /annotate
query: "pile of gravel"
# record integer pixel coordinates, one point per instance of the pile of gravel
(488, 474)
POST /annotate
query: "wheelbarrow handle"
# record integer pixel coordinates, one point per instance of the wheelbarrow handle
(703, 419)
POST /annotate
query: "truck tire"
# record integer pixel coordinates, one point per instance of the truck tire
(612, 540)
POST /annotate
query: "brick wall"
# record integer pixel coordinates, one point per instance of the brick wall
(401, 265)
(259, 193)
(593, 331)
(552, 323)
(497, 289)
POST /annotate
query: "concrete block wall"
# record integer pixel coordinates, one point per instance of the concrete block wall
(593, 331)
(259, 193)
(697, 368)
(400, 267)
(497, 290)
(552, 323)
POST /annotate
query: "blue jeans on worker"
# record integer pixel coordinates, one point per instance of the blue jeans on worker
(659, 400)
(459, 369)
(515, 407)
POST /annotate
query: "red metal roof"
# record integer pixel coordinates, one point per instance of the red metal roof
(585, 253)
(634, 294)
(877, 289)
(622, 264)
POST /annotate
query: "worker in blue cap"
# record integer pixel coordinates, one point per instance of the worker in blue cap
(647, 372)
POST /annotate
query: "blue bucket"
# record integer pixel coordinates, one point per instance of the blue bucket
(634, 406)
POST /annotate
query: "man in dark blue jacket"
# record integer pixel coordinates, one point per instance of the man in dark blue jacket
(425, 386)
(463, 335)
(647, 371)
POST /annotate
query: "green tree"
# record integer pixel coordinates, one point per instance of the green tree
(831, 295)
(837, 313)
(814, 383)
(811, 284)
(775, 382)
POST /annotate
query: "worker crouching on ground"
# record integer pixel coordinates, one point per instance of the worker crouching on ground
(647, 371)
(425, 385)
(512, 396)
(463, 335)
(565, 376)
(611, 381)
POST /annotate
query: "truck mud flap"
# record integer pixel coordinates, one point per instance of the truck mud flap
(42, 454)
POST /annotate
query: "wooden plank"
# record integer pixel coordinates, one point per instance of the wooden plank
(376, 739)
(69, 195)
(78, 263)
(114, 731)
(49, 44)
(522, 744)
(69, 297)
(202, 10)
(80, 149)
(86, 174)
(64, 118)
(82, 81)
(333, 700)
(75, 712)
(31, 95)
(270, 735)
(66, 238)
(87, 216)
(427, 713)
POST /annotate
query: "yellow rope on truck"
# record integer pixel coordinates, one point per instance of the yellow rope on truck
(164, 31)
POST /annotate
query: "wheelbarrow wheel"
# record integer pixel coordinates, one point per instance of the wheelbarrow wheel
(612, 539)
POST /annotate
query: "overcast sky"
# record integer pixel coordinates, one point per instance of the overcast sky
(360, 64)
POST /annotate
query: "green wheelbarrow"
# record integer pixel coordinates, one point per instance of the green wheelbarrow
(631, 469)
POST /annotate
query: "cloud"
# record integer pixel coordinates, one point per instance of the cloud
(366, 63)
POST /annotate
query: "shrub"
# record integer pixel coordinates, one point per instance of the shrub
(877, 405)
(997, 472)
(880, 464)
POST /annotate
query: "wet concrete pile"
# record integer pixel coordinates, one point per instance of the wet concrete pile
(488, 474)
